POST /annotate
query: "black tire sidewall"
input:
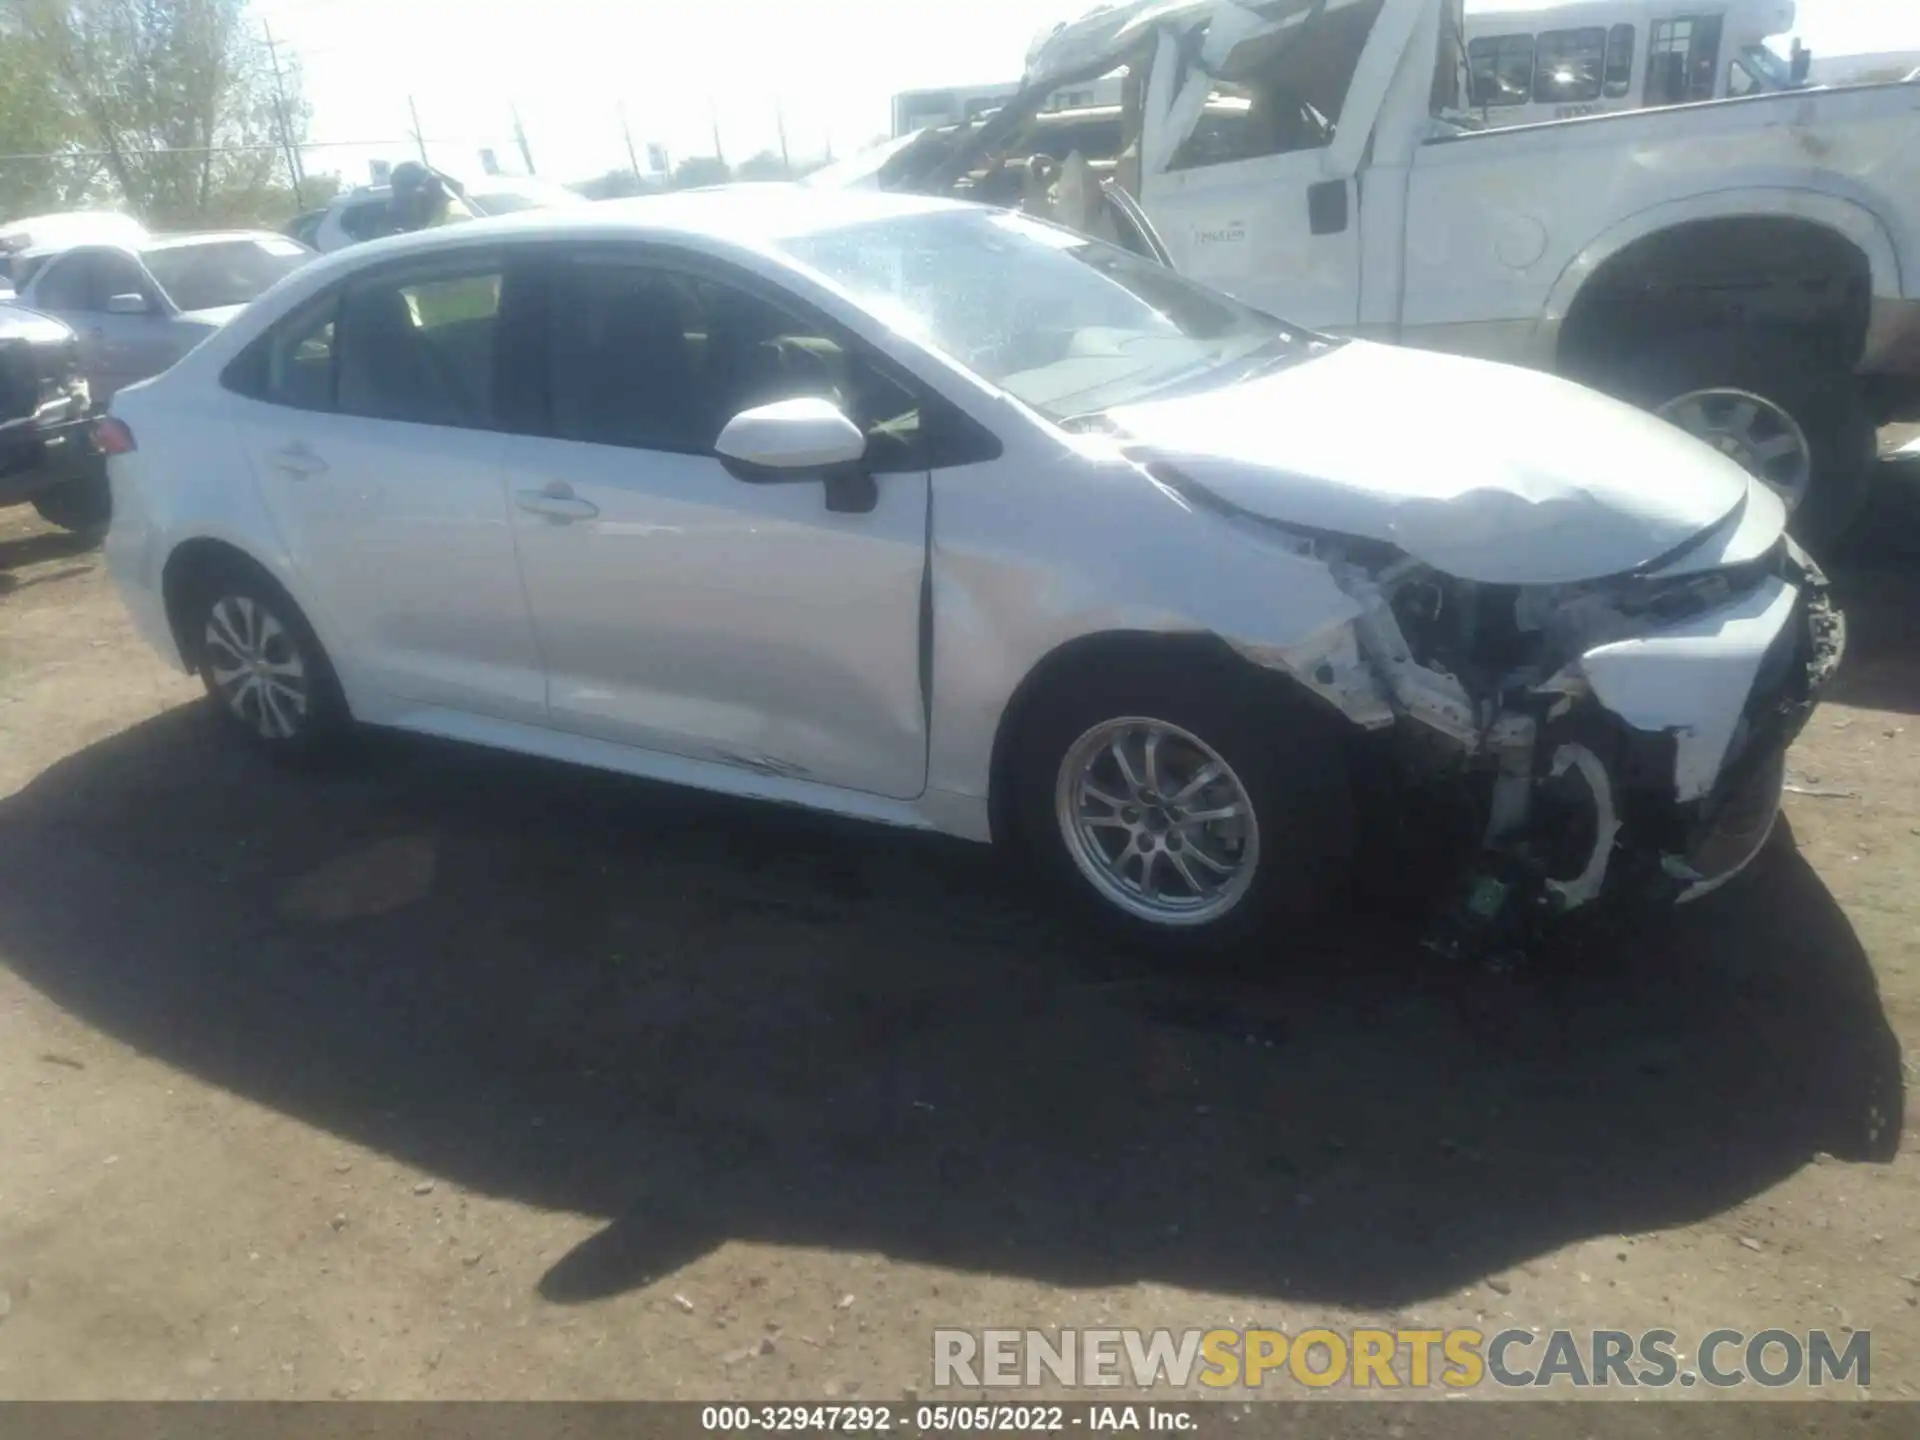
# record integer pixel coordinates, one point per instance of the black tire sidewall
(1821, 395)
(327, 718)
(1288, 760)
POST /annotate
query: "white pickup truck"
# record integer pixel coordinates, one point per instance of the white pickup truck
(1749, 268)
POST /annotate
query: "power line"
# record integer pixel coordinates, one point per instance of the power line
(459, 140)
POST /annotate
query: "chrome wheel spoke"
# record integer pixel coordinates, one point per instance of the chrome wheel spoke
(1179, 861)
(1093, 792)
(1119, 751)
(1219, 867)
(1206, 817)
(1151, 757)
(1203, 777)
(1778, 448)
(1741, 417)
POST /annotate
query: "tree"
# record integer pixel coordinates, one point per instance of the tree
(36, 124)
(615, 185)
(177, 96)
(764, 166)
(698, 170)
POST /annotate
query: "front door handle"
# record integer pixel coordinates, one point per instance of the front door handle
(556, 502)
(298, 461)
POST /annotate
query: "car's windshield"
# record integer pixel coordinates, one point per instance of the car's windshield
(1067, 324)
(209, 274)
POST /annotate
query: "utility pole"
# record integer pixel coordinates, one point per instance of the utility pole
(280, 114)
(419, 138)
(780, 123)
(713, 115)
(520, 139)
(633, 160)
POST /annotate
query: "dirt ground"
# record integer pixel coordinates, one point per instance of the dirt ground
(450, 1074)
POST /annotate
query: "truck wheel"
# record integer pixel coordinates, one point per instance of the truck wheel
(1792, 417)
(83, 506)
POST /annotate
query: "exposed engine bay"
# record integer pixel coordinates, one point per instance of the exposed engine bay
(1620, 739)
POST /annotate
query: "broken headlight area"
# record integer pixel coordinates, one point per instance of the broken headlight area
(1620, 740)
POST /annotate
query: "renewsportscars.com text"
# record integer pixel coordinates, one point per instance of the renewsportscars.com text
(1399, 1359)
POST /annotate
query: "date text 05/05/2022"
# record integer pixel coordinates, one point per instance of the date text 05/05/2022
(946, 1418)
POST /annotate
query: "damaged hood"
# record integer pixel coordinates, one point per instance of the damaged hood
(1486, 472)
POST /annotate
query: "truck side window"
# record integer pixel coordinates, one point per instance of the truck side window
(1567, 66)
(1502, 67)
(1278, 94)
(1619, 78)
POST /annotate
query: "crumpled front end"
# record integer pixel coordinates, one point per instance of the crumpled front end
(1622, 738)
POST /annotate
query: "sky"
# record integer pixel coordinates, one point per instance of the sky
(683, 68)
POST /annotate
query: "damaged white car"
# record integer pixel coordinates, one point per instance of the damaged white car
(941, 516)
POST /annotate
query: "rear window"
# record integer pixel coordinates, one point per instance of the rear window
(223, 272)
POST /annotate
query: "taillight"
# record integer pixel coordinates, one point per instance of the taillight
(111, 436)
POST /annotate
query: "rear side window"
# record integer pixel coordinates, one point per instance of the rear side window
(420, 349)
(367, 220)
(292, 364)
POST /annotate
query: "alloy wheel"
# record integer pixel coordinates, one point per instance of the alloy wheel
(255, 668)
(1157, 821)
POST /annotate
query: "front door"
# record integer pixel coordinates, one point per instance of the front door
(369, 434)
(684, 610)
(1237, 182)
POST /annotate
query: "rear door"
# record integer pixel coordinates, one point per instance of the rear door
(372, 435)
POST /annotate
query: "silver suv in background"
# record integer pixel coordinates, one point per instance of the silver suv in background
(138, 308)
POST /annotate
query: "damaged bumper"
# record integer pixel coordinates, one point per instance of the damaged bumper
(1625, 740)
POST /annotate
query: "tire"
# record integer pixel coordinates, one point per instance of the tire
(1282, 766)
(82, 505)
(266, 673)
(1821, 397)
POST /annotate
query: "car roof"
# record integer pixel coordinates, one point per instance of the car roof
(154, 242)
(750, 216)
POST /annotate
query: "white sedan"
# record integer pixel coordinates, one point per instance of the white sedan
(946, 518)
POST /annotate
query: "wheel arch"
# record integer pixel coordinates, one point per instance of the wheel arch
(1100, 650)
(1847, 227)
(191, 562)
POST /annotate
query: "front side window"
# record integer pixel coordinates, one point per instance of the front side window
(1502, 69)
(654, 358)
(1066, 324)
(212, 275)
(1567, 66)
(420, 349)
(1619, 74)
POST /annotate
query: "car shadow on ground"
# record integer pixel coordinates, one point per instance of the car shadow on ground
(1876, 574)
(704, 1020)
(20, 552)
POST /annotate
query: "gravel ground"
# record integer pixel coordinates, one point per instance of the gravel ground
(451, 1074)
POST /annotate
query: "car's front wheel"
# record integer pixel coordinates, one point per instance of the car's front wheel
(263, 667)
(1183, 807)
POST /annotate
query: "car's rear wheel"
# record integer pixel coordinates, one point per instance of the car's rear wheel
(263, 667)
(1182, 808)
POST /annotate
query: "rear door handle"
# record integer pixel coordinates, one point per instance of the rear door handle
(298, 461)
(557, 502)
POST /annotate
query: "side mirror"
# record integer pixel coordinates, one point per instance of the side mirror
(807, 434)
(805, 439)
(128, 304)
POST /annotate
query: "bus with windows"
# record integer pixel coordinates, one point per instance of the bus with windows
(1532, 63)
